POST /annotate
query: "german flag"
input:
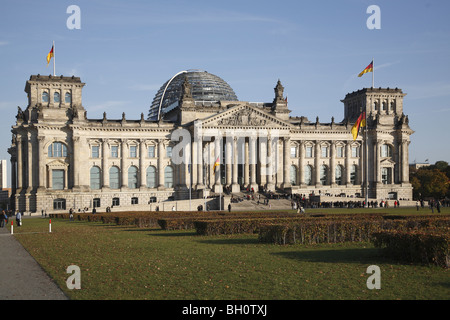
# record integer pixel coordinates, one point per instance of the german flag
(361, 122)
(216, 164)
(49, 56)
(369, 68)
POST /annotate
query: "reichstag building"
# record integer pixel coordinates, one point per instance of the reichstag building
(199, 141)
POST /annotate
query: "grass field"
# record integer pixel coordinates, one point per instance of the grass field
(118, 262)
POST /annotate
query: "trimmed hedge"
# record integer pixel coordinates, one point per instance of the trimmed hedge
(430, 246)
(341, 229)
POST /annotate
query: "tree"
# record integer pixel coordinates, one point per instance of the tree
(430, 183)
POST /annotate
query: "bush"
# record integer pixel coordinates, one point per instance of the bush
(342, 229)
(425, 246)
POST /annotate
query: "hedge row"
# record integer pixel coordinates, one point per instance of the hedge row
(341, 230)
(425, 246)
(186, 223)
(253, 224)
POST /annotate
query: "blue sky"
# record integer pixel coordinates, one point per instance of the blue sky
(125, 50)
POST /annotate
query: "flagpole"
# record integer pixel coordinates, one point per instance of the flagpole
(366, 158)
(373, 74)
(54, 58)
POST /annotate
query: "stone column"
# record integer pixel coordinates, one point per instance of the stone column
(252, 153)
(199, 159)
(217, 154)
(41, 145)
(246, 163)
(270, 165)
(301, 166)
(142, 169)
(235, 187)
(348, 153)
(123, 168)
(377, 169)
(317, 163)
(105, 170)
(14, 174)
(333, 163)
(30, 162)
(161, 164)
(75, 164)
(228, 163)
(404, 164)
(286, 161)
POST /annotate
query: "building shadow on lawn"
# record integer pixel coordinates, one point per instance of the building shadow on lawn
(354, 255)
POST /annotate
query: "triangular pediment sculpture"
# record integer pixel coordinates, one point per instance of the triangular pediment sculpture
(245, 116)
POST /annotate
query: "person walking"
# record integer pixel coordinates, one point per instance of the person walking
(417, 205)
(19, 218)
(4, 219)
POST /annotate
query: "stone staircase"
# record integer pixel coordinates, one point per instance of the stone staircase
(245, 204)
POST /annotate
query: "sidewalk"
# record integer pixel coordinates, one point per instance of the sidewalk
(21, 277)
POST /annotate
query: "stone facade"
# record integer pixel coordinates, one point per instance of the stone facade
(61, 159)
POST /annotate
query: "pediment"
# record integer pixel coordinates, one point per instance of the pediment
(244, 116)
(387, 163)
(57, 164)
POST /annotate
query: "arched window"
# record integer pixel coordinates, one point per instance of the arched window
(293, 175)
(114, 178)
(168, 177)
(308, 175)
(57, 150)
(323, 174)
(95, 178)
(353, 170)
(56, 97)
(45, 96)
(132, 177)
(68, 97)
(338, 174)
(151, 177)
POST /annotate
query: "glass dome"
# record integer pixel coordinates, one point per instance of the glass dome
(205, 87)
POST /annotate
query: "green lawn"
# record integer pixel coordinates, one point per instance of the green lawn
(131, 263)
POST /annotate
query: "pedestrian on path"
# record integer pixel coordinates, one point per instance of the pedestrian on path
(4, 219)
(18, 219)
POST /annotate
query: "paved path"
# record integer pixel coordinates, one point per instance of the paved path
(21, 277)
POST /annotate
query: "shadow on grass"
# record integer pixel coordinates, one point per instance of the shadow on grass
(351, 255)
(172, 233)
(231, 241)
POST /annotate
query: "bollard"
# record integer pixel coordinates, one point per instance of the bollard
(12, 227)
(50, 226)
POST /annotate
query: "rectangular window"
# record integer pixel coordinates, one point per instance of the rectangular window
(324, 152)
(151, 151)
(293, 152)
(116, 202)
(355, 152)
(169, 152)
(309, 153)
(95, 152)
(96, 202)
(134, 200)
(57, 179)
(340, 152)
(133, 151)
(114, 151)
